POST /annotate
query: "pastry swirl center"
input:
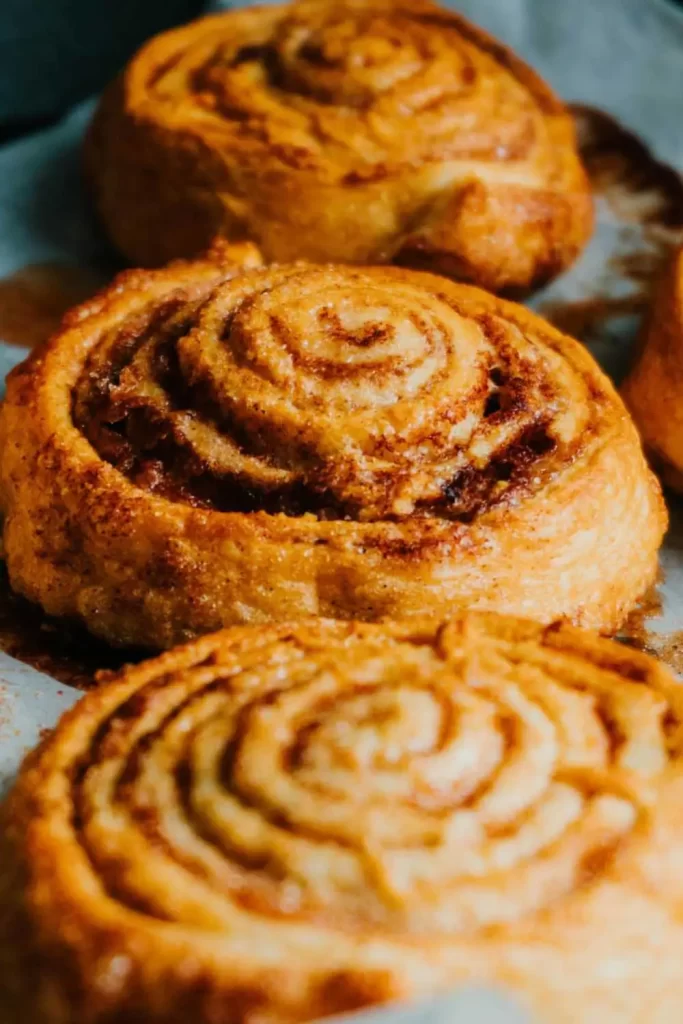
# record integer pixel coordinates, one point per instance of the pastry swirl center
(401, 785)
(346, 393)
(332, 87)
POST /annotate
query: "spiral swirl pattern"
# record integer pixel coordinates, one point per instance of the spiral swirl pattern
(347, 131)
(326, 800)
(311, 67)
(352, 394)
(211, 444)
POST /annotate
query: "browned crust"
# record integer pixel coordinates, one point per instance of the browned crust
(654, 385)
(166, 181)
(122, 900)
(571, 530)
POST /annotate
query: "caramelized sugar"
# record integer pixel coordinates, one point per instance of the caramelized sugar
(62, 650)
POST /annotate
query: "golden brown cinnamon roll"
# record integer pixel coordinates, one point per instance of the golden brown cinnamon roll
(202, 447)
(281, 823)
(653, 389)
(351, 131)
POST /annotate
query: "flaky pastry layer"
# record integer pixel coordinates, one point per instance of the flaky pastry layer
(281, 823)
(349, 131)
(210, 444)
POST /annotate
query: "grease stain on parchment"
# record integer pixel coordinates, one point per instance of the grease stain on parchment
(33, 300)
(637, 631)
(63, 650)
(639, 220)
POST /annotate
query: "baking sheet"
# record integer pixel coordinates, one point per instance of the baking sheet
(621, 60)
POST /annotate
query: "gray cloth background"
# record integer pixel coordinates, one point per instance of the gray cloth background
(55, 52)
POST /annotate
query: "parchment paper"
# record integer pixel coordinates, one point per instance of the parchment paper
(622, 57)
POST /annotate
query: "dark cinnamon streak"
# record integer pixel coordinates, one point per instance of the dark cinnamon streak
(138, 439)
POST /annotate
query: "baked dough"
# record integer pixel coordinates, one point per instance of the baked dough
(204, 446)
(353, 132)
(653, 389)
(281, 823)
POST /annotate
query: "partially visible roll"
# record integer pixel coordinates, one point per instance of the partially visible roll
(282, 823)
(209, 445)
(653, 389)
(351, 131)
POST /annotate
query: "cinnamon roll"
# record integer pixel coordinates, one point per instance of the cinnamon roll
(654, 386)
(281, 823)
(203, 446)
(351, 131)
